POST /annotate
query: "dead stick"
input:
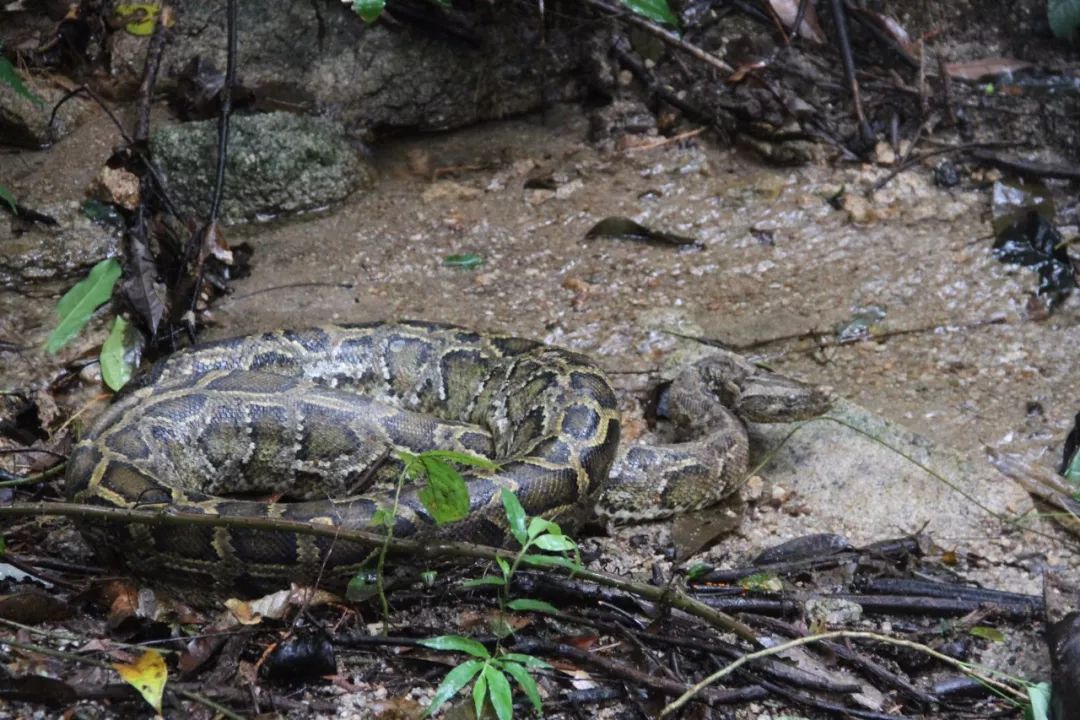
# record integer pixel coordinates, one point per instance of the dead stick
(413, 548)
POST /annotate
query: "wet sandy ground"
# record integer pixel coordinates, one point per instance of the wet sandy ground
(778, 261)
(970, 361)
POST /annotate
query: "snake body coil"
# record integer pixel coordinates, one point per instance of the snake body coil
(310, 413)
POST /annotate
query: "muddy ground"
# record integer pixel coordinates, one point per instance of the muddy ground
(966, 354)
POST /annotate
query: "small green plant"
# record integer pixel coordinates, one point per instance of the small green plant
(445, 496)
(489, 670)
(490, 675)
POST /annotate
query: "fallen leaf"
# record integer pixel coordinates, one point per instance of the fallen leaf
(984, 68)
(147, 675)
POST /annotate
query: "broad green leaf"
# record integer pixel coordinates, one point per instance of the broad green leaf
(1039, 697)
(445, 496)
(465, 261)
(555, 543)
(368, 10)
(515, 514)
(539, 525)
(116, 369)
(655, 10)
(528, 605)
(479, 692)
(528, 661)
(147, 675)
(7, 197)
(501, 697)
(486, 580)
(460, 458)
(525, 681)
(456, 679)
(9, 77)
(1064, 17)
(80, 302)
(504, 566)
(456, 643)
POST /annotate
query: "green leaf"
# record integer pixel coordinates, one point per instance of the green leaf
(7, 197)
(1064, 17)
(528, 661)
(9, 77)
(555, 543)
(479, 692)
(115, 367)
(456, 643)
(655, 10)
(698, 570)
(456, 679)
(504, 566)
(413, 469)
(465, 261)
(361, 587)
(428, 577)
(528, 605)
(501, 697)
(1039, 697)
(445, 496)
(460, 458)
(80, 302)
(538, 526)
(382, 518)
(486, 580)
(1072, 472)
(987, 633)
(3, 546)
(526, 682)
(368, 10)
(515, 514)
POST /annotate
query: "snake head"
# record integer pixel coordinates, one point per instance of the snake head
(759, 395)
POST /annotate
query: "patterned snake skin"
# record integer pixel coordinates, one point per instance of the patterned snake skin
(312, 414)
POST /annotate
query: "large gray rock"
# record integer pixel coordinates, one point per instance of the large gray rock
(33, 252)
(278, 164)
(444, 69)
(25, 123)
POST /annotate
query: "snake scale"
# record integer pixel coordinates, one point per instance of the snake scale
(310, 414)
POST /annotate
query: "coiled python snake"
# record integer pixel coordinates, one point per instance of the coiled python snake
(310, 413)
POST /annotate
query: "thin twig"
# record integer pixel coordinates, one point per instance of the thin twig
(413, 548)
(668, 37)
(850, 634)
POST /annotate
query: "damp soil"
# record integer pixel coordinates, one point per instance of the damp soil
(961, 351)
